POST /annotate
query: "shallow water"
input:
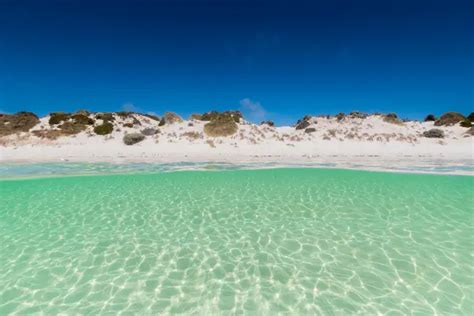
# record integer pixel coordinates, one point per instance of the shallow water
(300, 241)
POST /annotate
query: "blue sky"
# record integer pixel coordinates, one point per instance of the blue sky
(275, 60)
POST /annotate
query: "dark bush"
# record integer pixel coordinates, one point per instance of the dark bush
(131, 139)
(19, 122)
(434, 133)
(214, 115)
(269, 123)
(449, 118)
(105, 116)
(223, 126)
(430, 118)
(470, 117)
(104, 129)
(82, 119)
(310, 130)
(466, 123)
(149, 131)
(302, 124)
(58, 117)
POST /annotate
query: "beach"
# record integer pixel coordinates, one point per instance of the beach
(368, 142)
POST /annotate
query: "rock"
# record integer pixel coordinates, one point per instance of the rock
(470, 117)
(470, 131)
(214, 115)
(310, 130)
(58, 117)
(15, 123)
(129, 125)
(434, 133)
(171, 118)
(104, 129)
(131, 139)
(269, 123)
(149, 131)
(223, 126)
(302, 124)
(449, 118)
(430, 118)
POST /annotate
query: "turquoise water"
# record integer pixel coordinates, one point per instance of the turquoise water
(294, 241)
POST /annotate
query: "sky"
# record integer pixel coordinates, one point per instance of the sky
(274, 60)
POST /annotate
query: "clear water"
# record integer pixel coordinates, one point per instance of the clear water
(295, 241)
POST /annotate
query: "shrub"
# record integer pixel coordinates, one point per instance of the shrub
(449, 118)
(58, 117)
(131, 139)
(434, 133)
(129, 125)
(221, 127)
(470, 117)
(430, 118)
(19, 122)
(104, 129)
(302, 124)
(310, 130)
(71, 128)
(195, 116)
(171, 118)
(214, 115)
(82, 119)
(340, 116)
(392, 118)
(105, 117)
(466, 123)
(150, 131)
(269, 123)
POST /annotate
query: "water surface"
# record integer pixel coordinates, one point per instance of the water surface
(300, 241)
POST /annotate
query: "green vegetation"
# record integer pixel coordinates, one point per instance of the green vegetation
(104, 129)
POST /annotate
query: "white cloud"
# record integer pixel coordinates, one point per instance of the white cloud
(252, 110)
(130, 107)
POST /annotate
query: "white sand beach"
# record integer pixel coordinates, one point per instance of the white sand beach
(347, 141)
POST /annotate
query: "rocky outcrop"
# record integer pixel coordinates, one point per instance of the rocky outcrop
(449, 118)
(131, 139)
(310, 130)
(470, 131)
(16, 123)
(434, 133)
